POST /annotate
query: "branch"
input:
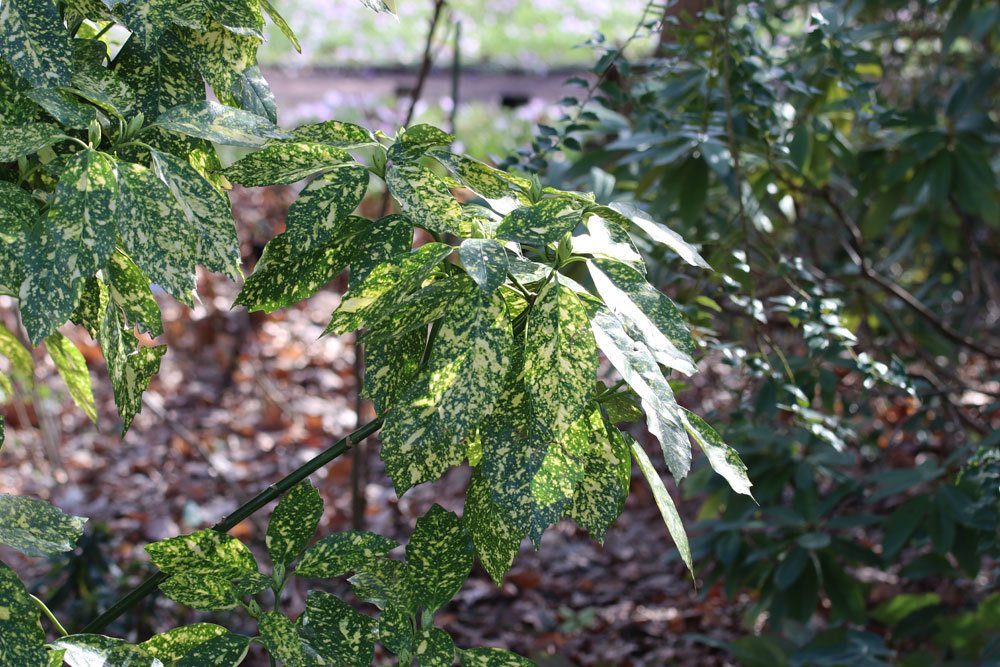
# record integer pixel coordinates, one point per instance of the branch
(425, 65)
(243, 512)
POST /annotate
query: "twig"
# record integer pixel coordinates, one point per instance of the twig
(426, 62)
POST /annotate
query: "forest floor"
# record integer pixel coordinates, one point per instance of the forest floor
(243, 399)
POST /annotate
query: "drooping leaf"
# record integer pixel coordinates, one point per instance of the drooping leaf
(607, 239)
(627, 213)
(653, 317)
(65, 108)
(388, 6)
(36, 528)
(279, 636)
(285, 163)
(22, 366)
(72, 367)
(129, 289)
(492, 657)
(293, 523)
(203, 552)
(131, 366)
(242, 17)
(222, 56)
(724, 459)
(496, 532)
(253, 93)
(664, 503)
(22, 641)
(280, 22)
(155, 231)
(341, 553)
(219, 124)
(434, 648)
(423, 435)
(98, 84)
(337, 632)
(321, 209)
(99, 651)
(35, 42)
(207, 211)
(560, 357)
(18, 212)
(396, 630)
(486, 262)
(607, 471)
(440, 558)
(203, 592)
(491, 184)
(637, 365)
(426, 199)
(540, 224)
(198, 645)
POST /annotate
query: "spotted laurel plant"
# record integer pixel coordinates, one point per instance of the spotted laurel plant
(483, 305)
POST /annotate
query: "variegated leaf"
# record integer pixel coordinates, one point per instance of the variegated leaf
(628, 213)
(489, 183)
(383, 289)
(320, 210)
(724, 459)
(285, 163)
(190, 643)
(203, 552)
(335, 133)
(253, 93)
(161, 78)
(16, 108)
(607, 239)
(89, 312)
(382, 240)
(496, 531)
(73, 242)
(150, 19)
(419, 309)
(18, 212)
(607, 471)
(646, 311)
(156, 232)
(465, 372)
(201, 591)
(386, 584)
(541, 224)
(36, 528)
(98, 84)
(440, 558)
(293, 523)
(72, 367)
(21, 140)
(341, 553)
(416, 140)
(388, 6)
(664, 503)
(130, 290)
(65, 108)
(279, 636)
(560, 357)
(492, 657)
(486, 261)
(637, 365)
(219, 124)
(22, 641)
(426, 200)
(131, 365)
(207, 211)
(391, 366)
(282, 25)
(434, 648)
(35, 42)
(337, 632)
(242, 17)
(222, 56)
(22, 366)
(100, 651)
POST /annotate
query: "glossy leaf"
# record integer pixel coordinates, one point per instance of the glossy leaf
(724, 459)
(335, 133)
(279, 636)
(659, 233)
(540, 224)
(492, 657)
(129, 289)
(337, 632)
(285, 163)
(317, 215)
(426, 199)
(24, 140)
(22, 641)
(341, 553)
(219, 124)
(99, 651)
(36, 528)
(293, 523)
(491, 184)
(35, 42)
(72, 367)
(486, 262)
(440, 557)
(280, 22)
(201, 591)
(203, 552)
(608, 240)
(131, 365)
(664, 503)
(198, 645)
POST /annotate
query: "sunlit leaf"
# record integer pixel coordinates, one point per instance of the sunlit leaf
(665, 503)
(341, 553)
(440, 558)
(337, 632)
(72, 367)
(293, 523)
(219, 124)
(36, 528)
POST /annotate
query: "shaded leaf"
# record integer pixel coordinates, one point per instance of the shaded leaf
(434, 648)
(35, 42)
(36, 528)
(201, 591)
(540, 224)
(286, 163)
(22, 641)
(341, 553)
(131, 365)
(279, 636)
(22, 140)
(492, 657)
(293, 523)
(440, 558)
(337, 632)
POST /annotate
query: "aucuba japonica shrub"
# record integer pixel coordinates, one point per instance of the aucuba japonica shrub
(482, 344)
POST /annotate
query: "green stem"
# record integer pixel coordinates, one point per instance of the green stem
(272, 492)
(55, 621)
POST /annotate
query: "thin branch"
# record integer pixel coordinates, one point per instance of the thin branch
(425, 64)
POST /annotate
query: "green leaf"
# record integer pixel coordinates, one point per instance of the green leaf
(253, 93)
(285, 163)
(206, 210)
(72, 367)
(198, 645)
(434, 648)
(388, 6)
(131, 365)
(150, 20)
(24, 140)
(100, 651)
(337, 632)
(65, 108)
(129, 290)
(35, 42)
(293, 523)
(397, 631)
(440, 558)
(222, 56)
(163, 77)
(341, 553)
(384, 240)
(664, 503)
(626, 213)
(320, 211)
(600, 494)
(219, 124)
(646, 311)
(492, 657)
(391, 366)
(724, 459)
(486, 262)
(203, 552)
(22, 366)
(637, 365)
(419, 309)
(497, 533)
(422, 436)
(22, 641)
(426, 200)
(279, 636)
(541, 224)
(281, 24)
(73, 242)
(18, 212)
(36, 528)
(384, 288)
(491, 184)
(607, 239)
(242, 17)
(560, 357)
(155, 231)
(335, 133)
(201, 591)
(414, 141)
(386, 584)
(98, 84)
